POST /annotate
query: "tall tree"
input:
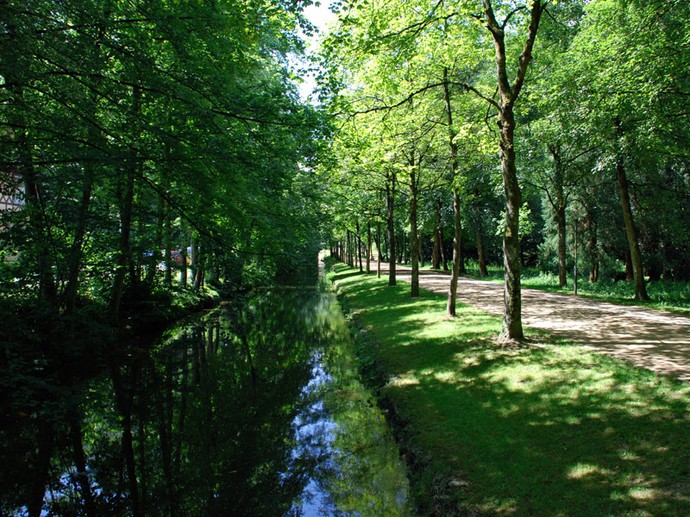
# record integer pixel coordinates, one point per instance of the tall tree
(509, 93)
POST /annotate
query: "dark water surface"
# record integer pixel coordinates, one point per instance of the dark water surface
(252, 409)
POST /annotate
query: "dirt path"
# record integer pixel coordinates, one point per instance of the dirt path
(656, 340)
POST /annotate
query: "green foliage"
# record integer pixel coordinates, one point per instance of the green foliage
(594, 63)
(526, 224)
(664, 294)
(138, 128)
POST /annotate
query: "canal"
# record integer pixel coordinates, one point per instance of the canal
(254, 408)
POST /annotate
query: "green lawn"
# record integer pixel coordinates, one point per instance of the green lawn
(529, 431)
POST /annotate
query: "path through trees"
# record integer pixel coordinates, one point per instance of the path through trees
(656, 340)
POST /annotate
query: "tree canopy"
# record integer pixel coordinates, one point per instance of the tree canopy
(147, 134)
(578, 109)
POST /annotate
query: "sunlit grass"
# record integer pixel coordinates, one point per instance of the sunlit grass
(528, 431)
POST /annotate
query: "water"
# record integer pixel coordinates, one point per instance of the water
(253, 409)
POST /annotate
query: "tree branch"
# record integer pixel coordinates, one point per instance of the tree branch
(479, 94)
(510, 15)
(526, 56)
(391, 107)
(498, 34)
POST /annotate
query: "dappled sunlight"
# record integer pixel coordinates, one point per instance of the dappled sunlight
(524, 378)
(587, 470)
(447, 376)
(657, 340)
(647, 494)
(404, 380)
(579, 430)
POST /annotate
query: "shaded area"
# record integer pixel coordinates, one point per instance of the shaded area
(211, 421)
(555, 431)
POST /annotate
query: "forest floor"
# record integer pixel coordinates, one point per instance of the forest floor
(652, 339)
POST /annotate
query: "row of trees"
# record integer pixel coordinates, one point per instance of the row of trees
(143, 132)
(544, 122)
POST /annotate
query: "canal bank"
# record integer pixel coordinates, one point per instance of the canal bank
(433, 490)
(488, 430)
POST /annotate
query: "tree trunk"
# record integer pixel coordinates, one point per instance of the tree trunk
(628, 266)
(630, 229)
(183, 260)
(359, 246)
(378, 249)
(77, 248)
(593, 253)
(135, 256)
(390, 207)
(124, 251)
(437, 249)
(194, 260)
(403, 248)
(199, 264)
(594, 272)
(154, 259)
(512, 295)
(508, 95)
(369, 247)
(455, 271)
(33, 203)
(461, 260)
(559, 205)
(479, 239)
(15, 74)
(562, 248)
(126, 201)
(167, 246)
(414, 237)
(348, 248)
(457, 216)
(385, 248)
(444, 259)
(346, 252)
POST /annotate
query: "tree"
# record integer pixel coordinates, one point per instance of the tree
(505, 106)
(631, 84)
(401, 28)
(134, 106)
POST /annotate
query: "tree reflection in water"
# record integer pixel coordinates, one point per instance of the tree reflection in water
(253, 409)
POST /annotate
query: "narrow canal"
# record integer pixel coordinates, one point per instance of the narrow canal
(252, 409)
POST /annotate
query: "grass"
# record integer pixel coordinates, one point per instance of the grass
(664, 294)
(529, 431)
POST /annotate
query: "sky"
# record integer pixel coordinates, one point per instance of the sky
(320, 16)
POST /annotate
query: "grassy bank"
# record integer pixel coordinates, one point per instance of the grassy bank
(554, 431)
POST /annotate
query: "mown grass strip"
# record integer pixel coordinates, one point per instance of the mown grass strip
(529, 431)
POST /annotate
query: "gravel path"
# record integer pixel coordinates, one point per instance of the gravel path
(656, 340)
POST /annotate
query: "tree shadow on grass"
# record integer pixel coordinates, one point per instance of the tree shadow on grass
(526, 431)
(547, 439)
